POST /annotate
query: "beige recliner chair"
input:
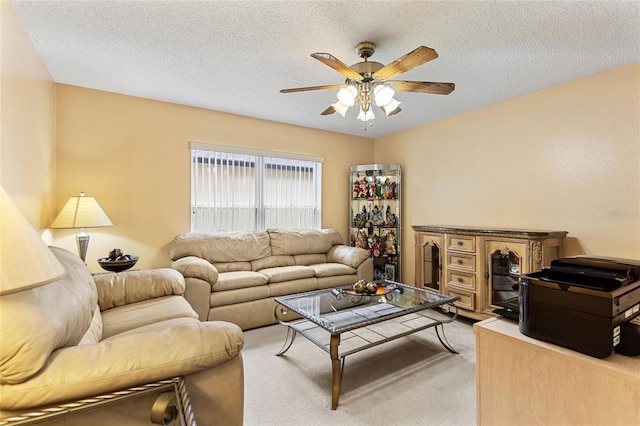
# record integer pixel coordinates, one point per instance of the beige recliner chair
(108, 335)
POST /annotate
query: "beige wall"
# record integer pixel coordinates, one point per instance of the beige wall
(27, 122)
(132, 154)
(564, 158)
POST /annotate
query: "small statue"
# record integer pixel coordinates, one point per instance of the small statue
(390, 244)
(376, 216)
(375, 246)
(390, 218)
(387, 191)
(356, 189)
(360, 239)
(378, 189)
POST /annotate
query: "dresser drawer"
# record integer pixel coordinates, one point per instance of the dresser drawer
(461, 243)
(459, 279)
(467, 299)
(461, 261)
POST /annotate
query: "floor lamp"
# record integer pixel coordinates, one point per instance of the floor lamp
(81, 212)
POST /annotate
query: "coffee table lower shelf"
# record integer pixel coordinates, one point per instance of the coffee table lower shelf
(340, 345)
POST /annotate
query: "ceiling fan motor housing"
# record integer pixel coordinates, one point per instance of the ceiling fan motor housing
(366, 69)
(365, 49)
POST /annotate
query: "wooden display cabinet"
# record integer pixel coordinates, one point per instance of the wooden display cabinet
(481, 266)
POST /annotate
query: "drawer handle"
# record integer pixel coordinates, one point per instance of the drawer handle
(459, 243)
(460, 280)
(459, 261)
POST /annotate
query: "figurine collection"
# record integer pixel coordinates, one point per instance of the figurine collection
(375, 189)
(375, 226)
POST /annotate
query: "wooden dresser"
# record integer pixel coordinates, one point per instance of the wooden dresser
(480, 265)
(524, 381)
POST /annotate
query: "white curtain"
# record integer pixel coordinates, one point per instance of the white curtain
(240, 191)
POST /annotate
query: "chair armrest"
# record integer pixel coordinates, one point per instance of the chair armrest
(117, 289)
(195, 267)
(350, 256)
(184, 347)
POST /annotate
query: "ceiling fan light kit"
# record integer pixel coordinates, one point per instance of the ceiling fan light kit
(368, 83)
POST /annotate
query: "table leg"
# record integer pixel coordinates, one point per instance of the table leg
(288, 341)
(336, 369)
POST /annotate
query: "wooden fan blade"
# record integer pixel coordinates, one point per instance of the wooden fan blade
(306, 89)
(328, 111)
(409, 61)
(423, 87)
(337, 65)
(395, 111)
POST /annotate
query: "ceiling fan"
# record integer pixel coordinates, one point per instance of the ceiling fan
(368, 83)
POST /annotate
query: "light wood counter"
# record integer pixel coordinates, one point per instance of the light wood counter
(524, 381)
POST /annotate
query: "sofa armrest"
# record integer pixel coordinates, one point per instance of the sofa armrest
(198, 294)
(117, 289)
(350, 256)
(195, 267)
(185, 347)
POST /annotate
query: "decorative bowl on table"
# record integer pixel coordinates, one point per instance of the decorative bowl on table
(365, 288)
(119, 264)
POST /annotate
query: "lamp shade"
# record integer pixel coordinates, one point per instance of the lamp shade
(81, 212)
(25, 260)
(340, 108)
(366, 115)
(347, 96)
(383, 95)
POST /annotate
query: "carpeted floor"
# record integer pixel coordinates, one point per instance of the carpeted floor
(410, 381)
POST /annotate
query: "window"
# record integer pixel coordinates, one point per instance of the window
(235, 189)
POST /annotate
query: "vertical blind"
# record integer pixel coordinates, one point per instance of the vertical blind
(236, 189)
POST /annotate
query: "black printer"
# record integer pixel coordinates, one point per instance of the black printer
(588, 304)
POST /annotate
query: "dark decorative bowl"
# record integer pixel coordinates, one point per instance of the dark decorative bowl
(117, 265)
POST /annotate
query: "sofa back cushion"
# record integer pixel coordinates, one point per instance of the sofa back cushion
(272, 262)
(222, 247)
(36, 322)
(302, 241)
(94, 333)
(136, 286)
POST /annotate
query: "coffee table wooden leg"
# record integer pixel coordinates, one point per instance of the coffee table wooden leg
(336, 367)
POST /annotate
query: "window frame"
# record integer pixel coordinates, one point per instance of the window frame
(260, 167)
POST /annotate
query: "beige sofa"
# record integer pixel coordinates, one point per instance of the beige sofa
(83, 336)
(236, 276)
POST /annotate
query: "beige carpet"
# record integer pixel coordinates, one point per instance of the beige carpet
(410, 381)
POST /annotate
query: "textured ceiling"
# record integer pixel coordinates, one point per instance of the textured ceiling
(235, 56)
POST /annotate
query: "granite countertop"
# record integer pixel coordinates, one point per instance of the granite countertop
(508, 232)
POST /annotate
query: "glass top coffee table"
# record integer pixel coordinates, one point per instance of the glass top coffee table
(342, 323)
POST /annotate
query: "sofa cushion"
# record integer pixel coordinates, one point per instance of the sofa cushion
(36, 322)
(337, 281)
(233, 266)
(272, 262)
(331, 269)
(291, 287)
(239, 279)
(232, 297)
(310, 259)
(302, 241)
(222, 247)
(287, 273)
(134, 286)
(94, 333)
(128, 317)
